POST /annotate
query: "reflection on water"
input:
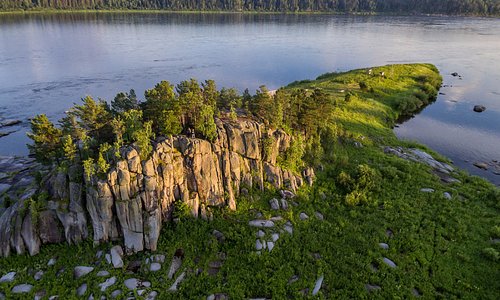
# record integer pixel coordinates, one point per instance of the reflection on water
(50, 61)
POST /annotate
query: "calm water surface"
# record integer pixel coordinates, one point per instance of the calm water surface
(48, 62)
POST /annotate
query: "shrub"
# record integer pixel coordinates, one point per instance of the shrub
(491, 254)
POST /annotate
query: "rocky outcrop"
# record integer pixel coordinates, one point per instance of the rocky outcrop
(137, 196)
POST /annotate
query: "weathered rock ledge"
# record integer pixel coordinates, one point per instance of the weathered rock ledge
(138, 196)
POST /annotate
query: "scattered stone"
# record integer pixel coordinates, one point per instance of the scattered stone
(448, 179)
(447, 195)
(106, 284)
(99, 254)
(38, 275)
(54, 297)
(22, 288)
(372, 287)
(303, 216)
(289, 227)
(258, 245)
(389, 233)
(284, 204)
(261, 223)
(383, 246)
(260, 233)
(319, 216)
(275, 236)
(416, 292)
(9, 277)
(152, 295)
(174, 266)
(82, 271)
(373, 267)
(51, 262)
(154, 267)
(108, 258)
(131, 283)
(270, 245)
(146, 284)
(116, 293)
(274, 204)
(10, 122)
(60, 272)
(427, 190)
(103, 273)
(293, 279)
(116, 253)
(40, 294)
(389, 262)
(481, 165)
(176, 283)
(218, 235)
(218, 296)
(454, 74)
(479, 108)
(82, 289)
(276, 218)
(286, 194)
(317, 287)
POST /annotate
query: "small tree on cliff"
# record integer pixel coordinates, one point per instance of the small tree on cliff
(124, 102)
(163, 108)
(46, 140)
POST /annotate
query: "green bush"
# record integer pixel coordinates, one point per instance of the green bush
(491, 254)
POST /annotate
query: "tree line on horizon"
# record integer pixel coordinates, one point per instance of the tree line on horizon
(453, 7)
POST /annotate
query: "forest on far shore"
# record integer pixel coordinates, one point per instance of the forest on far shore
(451, 7)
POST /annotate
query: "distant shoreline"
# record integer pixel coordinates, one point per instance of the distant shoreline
(235, 12)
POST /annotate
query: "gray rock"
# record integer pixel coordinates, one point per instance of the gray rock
(260, 233)
(288, 227)
(9, 277)
(146, 284)
(319, 216)
(131, 283)
(389, 262)
(275, 236)
(286, 194)
(481, 165)
(116, 253)
(106, 284)
(416, 292)
(261, 223)
(10, 122)
(4, 187)
(258, 245)
(427, 190)
(174, 266)
(38, 275)
(372, 287)
(102, 273)
(54, 297)
(22, 288)
(218, 235)
(274, 204)
(270, 245)
(99, 254)
(303, 216)
(141, 292)
(479, 108)
(317, 286)
(383, 246)
(108, 258)
(284, 204)
(177, 281)
(154, 267)
(293, 279)
(116, 293)
(82, 289)
(447, 195)
(82, 271)
(152, 295)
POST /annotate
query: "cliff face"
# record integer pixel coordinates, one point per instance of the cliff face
(138, 196)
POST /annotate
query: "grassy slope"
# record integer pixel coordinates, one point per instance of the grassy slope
(437, 244)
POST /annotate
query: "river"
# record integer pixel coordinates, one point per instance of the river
(50, 61)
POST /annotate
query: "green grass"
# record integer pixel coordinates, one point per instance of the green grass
(441, 247)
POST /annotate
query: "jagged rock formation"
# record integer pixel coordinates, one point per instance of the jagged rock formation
(137, 195)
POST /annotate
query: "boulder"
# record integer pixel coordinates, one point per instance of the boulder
(10, 122)
(81, 271)
(481, 165)
(22, 288)
(116, 253)
(82, 289)
(106, 284)
(261, 223)
(389, 262)
(9, 277)
(317, 286)
(177, 281)
(479, 108)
